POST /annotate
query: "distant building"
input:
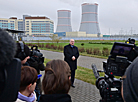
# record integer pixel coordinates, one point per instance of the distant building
(64, 22)
(11, 23)
(32, 25)
(39, 26)
(61, 34)
(75, 34)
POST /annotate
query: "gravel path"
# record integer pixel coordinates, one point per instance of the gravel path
(83, 61)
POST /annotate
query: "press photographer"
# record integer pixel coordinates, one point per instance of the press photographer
(116, 65)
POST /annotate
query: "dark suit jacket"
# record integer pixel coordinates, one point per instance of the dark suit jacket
(68, 53)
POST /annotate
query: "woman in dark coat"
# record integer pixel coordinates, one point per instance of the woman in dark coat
(56, 82)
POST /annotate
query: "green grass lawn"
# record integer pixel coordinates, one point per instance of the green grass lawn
(82, 73)
(95, 43)
(86, 45)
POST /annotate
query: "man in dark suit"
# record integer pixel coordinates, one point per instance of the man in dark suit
(71, 55)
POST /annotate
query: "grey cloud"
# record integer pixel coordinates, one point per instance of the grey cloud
(112, 14)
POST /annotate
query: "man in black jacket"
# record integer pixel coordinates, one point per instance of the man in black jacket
(71, 55)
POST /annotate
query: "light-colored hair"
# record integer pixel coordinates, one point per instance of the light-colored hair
(71, 39)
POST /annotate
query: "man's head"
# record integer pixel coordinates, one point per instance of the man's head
(72, 42)
(130, 87)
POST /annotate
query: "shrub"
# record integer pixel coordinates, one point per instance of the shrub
(39, 45)
(89, 51)
(42, 45)
(96, 51)
(54, 47)
(47, 46)
(105, 48)
(60, 48)
(82, 44)
(51, 46)
(105, 52)
(81, 50)
(30, 44)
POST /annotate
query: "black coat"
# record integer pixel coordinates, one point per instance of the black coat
(68, 53)
(55, 98)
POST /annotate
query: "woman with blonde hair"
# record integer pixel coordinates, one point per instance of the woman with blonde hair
(56, 82)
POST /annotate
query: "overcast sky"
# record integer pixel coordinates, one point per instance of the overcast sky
(114, 16)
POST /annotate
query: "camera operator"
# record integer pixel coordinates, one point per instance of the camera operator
(134, 52)
(23, 53)
(10, 68)
(36, 61)
(111, 88)
(129, 85)
(31, 58)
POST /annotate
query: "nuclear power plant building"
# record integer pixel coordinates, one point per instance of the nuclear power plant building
(64, 22)
(89, 20)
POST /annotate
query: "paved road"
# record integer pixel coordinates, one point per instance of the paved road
(83, 61)
(83, 92)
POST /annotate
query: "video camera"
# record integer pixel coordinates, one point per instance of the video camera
(116, 65)
(130, 41)
(36, 55)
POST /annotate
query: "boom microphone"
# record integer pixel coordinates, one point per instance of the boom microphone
(96, 74)
(7, 48)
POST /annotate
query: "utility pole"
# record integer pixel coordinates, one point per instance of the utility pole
(131, 30)
(109, 31)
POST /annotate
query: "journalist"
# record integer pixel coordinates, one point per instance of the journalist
(36, 61)
(23, 53)
(134, 53)
(10, 68)
(31, 58)
(130, 83)
(56, 82)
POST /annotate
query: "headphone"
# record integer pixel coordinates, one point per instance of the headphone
(22, 54)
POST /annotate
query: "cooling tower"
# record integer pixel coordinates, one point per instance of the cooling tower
(89, 21)
(64, 23)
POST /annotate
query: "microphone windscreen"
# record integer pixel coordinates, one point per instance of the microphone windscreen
(7, 48)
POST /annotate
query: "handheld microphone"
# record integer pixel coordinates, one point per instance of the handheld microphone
(96, 73)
